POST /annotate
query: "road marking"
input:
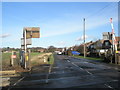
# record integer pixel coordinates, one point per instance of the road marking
(68, 60)
(16, 82)
(54, 72)
(75, 64)
(88, 72)
(109, 86)
(81, 68)
(50, 68)
(55, 67)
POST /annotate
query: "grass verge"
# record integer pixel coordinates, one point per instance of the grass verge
(35, 54)
(51, 59)
(90, 58)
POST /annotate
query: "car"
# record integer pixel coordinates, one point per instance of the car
(59, 53)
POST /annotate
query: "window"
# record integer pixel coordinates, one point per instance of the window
(106, 43)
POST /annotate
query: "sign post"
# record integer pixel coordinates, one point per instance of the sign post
(28, 33)
(13, 56)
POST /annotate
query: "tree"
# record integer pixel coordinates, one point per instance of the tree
(51, 49)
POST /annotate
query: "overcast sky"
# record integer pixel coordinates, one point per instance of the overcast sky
(61, 23)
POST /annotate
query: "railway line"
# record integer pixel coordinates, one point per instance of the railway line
(69, 72)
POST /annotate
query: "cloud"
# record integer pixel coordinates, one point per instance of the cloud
(61, 43)
(81, 38)
(93, 38)
(4, 35)
(62, 27)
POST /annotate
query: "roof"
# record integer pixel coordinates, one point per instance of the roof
(117, 38)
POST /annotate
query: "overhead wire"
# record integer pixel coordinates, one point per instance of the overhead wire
(97, 12)
(100, 11)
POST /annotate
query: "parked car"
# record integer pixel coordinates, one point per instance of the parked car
(59, 53)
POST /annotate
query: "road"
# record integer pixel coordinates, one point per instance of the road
(70, 72)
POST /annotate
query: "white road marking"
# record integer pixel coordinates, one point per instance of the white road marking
(75, 65)
(16, 82)
(81, 68)
(50, 68)
(109, 86)
(88, 72)
(55, 67)
(54, 72)
(115, 80)
(68, 60)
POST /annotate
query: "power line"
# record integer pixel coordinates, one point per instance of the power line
(98, 11)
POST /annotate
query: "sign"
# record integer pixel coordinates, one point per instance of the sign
(22, 47)
(26, 56)
(13, 56)
(75, 53)
(28, 41)
(32, 32)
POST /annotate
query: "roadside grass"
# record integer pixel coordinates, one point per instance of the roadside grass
(38, 59)
(90, 58)
(51, 59)
(7, 56)
(34, 54)
(5, 60)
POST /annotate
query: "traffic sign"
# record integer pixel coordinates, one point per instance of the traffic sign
(75, 53)
(32, 32)
(13, 56)
(28, 41)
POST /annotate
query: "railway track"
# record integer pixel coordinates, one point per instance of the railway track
(68, 72)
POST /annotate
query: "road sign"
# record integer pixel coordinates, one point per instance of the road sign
(75, 53)
(28, 41)
(32, 32)
(22, 47)
(13, 56)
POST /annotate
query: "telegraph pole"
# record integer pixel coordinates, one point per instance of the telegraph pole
(84, 35)
(25, 47)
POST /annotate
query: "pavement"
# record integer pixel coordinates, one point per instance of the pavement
(69, 72)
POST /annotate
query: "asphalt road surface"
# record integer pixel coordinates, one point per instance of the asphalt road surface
(70, 72)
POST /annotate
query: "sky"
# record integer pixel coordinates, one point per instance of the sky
(61, 23)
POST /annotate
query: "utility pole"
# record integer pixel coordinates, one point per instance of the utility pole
(84, 35)
(25, 47)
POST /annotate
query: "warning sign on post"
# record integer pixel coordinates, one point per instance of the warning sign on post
(13, 56)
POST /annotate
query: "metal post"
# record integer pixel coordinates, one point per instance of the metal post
(84, 36)
(25, 46)
(12, 59)
(25, 40)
